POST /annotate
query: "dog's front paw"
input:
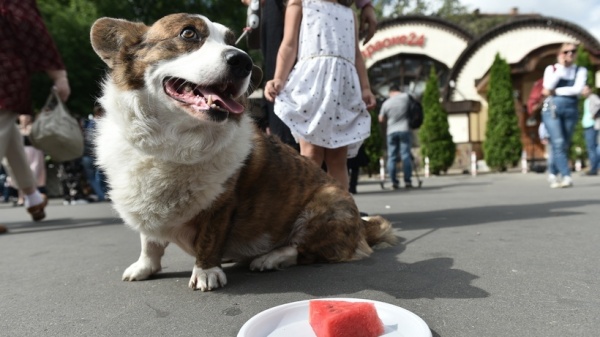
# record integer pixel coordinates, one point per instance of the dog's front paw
(207, 279)
(140, 270)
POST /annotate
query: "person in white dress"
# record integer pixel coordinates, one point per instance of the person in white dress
(321, 89)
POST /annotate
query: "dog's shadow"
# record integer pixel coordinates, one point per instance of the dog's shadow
(383, 272)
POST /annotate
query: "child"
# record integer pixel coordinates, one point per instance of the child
(319, 99)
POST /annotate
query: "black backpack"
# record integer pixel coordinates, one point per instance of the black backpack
(414, 112)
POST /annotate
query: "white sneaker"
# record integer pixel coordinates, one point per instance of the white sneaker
(553, 180)
(566, 182)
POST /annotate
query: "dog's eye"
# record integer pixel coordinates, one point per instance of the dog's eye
(189, 34)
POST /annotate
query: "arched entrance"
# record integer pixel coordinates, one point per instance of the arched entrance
(404, 50)
(409, 71)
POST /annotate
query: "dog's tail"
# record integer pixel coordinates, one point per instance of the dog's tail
(378, 234)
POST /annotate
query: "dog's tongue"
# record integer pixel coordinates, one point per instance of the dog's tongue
(226, 102)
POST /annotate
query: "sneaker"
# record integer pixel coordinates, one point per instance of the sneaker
(566, 182)
(408, 185)
(3, 229)
(553, 180)
(37, 212)
(395, 186)
(79, 202)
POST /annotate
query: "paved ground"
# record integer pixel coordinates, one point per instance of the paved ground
(493, 255)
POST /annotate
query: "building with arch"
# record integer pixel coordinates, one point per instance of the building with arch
(404, 49)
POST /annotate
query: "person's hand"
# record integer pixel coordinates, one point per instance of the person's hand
(61, 85)
(368, 23)
(272, 89)
(368, 98)
(547, 92)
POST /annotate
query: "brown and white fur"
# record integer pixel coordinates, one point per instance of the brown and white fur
(186, 165)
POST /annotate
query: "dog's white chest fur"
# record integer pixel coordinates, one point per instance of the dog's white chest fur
(161, 175)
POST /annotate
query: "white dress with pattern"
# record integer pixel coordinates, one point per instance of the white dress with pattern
(321, 101)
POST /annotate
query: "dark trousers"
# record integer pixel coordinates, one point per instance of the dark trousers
(271, 36)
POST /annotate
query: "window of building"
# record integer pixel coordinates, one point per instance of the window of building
(409, 71)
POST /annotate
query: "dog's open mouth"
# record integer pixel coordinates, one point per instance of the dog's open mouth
(217, 100)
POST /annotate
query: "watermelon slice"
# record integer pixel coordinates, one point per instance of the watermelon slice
(344, 319)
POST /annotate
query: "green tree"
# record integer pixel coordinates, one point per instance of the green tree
(69, 24)
(451, 8)
(374, 144)
(434, 135)
(502, 146)
(577, 150)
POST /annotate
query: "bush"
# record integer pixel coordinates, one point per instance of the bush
(375, 143)
(578, 147)
(502, 146)
(434, 135)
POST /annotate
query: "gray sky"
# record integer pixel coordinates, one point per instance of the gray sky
(585, 13)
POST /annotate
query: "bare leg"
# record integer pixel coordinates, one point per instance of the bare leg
(313, 152)
(336, 161)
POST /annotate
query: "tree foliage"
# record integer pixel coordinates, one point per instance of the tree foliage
(577, 150)
(502, 146)
(434, 135)
(452, 10)
(442, 8)
(374, 144)
(69, 23)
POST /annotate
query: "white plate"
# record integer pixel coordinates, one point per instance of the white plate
(291, 320)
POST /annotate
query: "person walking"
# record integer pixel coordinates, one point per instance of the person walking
(25, 47)
(35, 157)
(591, 117)
(271, 34)
(93, 173)
(323, 97)
(563, 83)
(393, 115)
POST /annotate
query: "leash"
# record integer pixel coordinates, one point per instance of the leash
(253, 20)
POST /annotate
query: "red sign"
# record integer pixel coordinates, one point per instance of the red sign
(412, 40)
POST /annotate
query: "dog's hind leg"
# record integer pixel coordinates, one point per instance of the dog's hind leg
(149, 261)
(276, 259)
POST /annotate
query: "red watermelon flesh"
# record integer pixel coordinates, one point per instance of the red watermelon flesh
(344, 319)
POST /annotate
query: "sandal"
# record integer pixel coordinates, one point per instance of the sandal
(37, 211)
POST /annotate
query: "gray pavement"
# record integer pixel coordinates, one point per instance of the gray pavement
(492, 255)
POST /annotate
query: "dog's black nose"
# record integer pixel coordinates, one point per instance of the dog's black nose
(240, 64)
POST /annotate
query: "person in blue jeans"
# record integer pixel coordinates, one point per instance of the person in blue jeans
(563, 83)
(394, 116)
(94, 175)
(591, 109)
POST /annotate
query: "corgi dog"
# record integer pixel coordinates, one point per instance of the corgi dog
(185, 164)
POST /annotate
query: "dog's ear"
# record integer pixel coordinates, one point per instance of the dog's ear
(109, 35)
(255, 79)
